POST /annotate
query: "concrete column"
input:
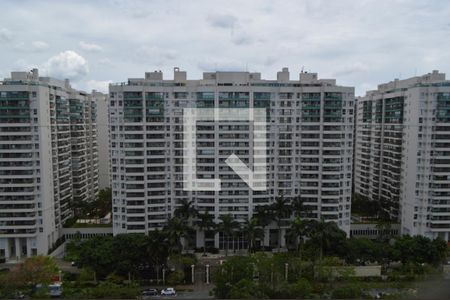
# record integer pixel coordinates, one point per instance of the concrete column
(286, 268)
(283, 239)
(207, 274)
(200, 237)
(216, 240)
(7, 248)
(28, 247)
(193, 273)
(266, 241)
(18, 250)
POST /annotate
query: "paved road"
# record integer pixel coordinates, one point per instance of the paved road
(183, 295)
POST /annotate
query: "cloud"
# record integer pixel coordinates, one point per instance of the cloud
(155, 55)
(98, 85)
(5, 35)
(39, 45)
(351, 69)
(243, 39)
(221, 65)
(222, 21)
(35, 46)
(90, 47)
(67, 64)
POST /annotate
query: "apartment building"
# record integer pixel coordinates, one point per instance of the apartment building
(103, 136)
(38, 151)
(402, 152)
(83, 134)
(309, 146)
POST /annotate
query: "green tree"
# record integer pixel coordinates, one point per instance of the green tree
(263, 215)
(228, 226)
(175, 231)
(232, 271)
(281, 210)
(34, 270)
(129, 252)
(361, 250)
(253, 232)
(103, 203)
(298, 207)
(97, 254)
(326, 236)
(157, 250)
(186, 211)
(297, 232)
(205, 223)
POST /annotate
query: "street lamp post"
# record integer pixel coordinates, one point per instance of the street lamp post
(286, 267)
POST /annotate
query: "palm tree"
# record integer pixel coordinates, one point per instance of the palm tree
(253, 232)
(157, 250)
(175, 230)
(297, 232)
(281, 210)
(264, 216)
(205, 223)
(186, 211)
(298, 206)
(228, 227)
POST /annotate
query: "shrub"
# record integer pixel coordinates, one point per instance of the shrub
(347, 292)
(176, 277)
(246, 289)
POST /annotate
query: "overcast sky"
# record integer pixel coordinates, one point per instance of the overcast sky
(360, 43)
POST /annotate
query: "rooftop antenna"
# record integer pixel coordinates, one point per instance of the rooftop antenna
(302, 69)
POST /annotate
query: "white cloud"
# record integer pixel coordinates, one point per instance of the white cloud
(98, 85)
(5, 35)
(67, 64)
(35, 46)
(90, 47)
(39, 45)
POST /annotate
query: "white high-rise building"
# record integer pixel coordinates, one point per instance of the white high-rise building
(309, 146)
(402, 152)
(83, 133)
(103, 135)
(37, 153)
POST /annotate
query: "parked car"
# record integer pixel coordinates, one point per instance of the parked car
(150, 292)
(168, 292)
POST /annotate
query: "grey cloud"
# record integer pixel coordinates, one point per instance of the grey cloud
(224, 65)
(351, 69)
(154, 55)
(222, 21)
(5, 35)
(242, 40)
